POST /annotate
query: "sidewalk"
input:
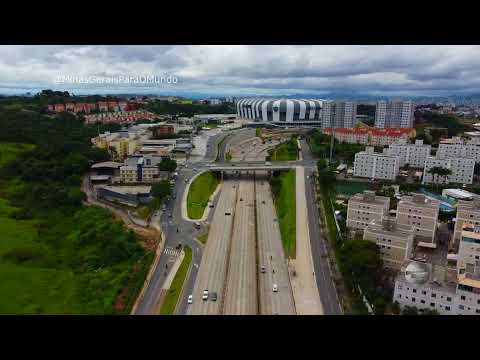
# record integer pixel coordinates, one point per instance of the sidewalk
(304, 286)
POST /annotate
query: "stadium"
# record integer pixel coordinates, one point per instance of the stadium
(281, 111)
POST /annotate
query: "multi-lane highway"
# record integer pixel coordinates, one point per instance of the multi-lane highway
(214, 265)
(241, 286)
(225, 265)
(271, 255)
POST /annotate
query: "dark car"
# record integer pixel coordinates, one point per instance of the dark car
(214, 296)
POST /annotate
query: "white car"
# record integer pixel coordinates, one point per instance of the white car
(190, 299)
(205, 295)
(275, 288)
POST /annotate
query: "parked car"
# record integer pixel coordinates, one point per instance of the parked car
(214, 296)
(262, 269)
(205, 295)
(275, 288)
(190, 299)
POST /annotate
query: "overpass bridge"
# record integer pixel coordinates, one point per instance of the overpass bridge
(254, 166)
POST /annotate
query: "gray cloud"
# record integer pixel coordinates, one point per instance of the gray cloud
(415, 70)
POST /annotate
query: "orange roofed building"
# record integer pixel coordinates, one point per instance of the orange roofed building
(372, 136)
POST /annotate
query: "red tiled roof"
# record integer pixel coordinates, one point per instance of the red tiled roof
(395, 132)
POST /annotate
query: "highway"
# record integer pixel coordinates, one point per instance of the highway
(213, 268)
(241, 288)
(271, 255)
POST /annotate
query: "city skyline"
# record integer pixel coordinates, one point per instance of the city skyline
(247, 70)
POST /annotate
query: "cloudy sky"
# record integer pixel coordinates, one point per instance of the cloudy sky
(245, 70)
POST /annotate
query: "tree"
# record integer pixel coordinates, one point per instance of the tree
(440, 172)
(429, 312)
(161, 190)
(396, 308)
(167, 164)
(410, 310)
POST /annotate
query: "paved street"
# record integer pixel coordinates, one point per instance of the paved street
(324, 278)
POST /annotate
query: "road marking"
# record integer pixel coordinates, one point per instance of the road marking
(171, 251)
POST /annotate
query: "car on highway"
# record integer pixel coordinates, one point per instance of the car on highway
(205, 295)
(197, 225)
(186, 180)
(214, 296)
(190, 299)
(275, 288)
(262, 269)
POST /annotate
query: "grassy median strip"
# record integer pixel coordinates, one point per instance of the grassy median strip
(173, 294)
(283, 189)
(287, 151)
(203, 238)
(200, 191)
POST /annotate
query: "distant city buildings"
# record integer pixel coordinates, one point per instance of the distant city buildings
(87, 108)
(121, 117)
(394, 114)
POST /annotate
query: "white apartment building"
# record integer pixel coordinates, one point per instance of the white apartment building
(339, 114)
(461, 168)
(364, 208)
(414, 155)
(394, 240)
(421, 213)
(394, 114)
(369, 164)
(141, 169)
(459, 150)
(450, 291)
(468, 212)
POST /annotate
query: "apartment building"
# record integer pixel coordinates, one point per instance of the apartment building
(461, 170)
(364, 208)
(339, 114)
(450, 291)
(394, 114)
(371, 136)
(414, 155)
(394, 240)
(468, 213)
(372, 165)
(459, 150)
(141, 169)
(421, 213)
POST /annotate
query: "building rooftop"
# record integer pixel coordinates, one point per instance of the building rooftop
(132, 190)
(107, 164)
(420, 200)
(370, 197)
(389, 226)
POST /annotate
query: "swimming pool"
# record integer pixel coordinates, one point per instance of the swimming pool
(446, 205)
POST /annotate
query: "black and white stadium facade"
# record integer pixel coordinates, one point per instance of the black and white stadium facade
(286, 112)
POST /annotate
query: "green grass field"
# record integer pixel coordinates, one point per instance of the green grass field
(200, 191)
(173, 294)
(284, 152)
(9, 151)
(285, 204)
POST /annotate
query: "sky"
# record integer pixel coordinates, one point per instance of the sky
(243, 70)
